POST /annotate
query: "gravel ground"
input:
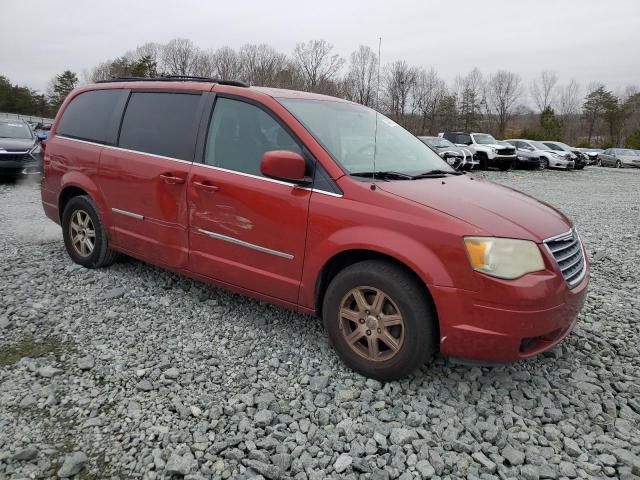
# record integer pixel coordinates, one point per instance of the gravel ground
(133, 372)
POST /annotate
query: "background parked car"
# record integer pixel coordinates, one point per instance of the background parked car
(548, 158)
(458, 157)
(619, 158)
(20, 150)
(526, 155)
(486, 149)
(576, 155)
(592, 154)
(42, 131)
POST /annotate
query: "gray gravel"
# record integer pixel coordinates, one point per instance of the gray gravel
(133, 372)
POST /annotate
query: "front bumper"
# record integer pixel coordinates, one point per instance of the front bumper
(561, 163)
(508, 320)
(20, 167)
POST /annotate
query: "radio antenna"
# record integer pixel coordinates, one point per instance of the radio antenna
(375, 134)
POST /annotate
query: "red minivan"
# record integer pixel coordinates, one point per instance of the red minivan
(317, 204)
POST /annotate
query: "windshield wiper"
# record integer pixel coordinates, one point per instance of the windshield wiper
(384, 175)
(437, 174)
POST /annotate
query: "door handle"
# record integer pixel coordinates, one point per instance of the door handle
(206, 186)
(171, 179)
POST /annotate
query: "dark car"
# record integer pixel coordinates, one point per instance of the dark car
(20, 149)
(458, 157)
(592, 154)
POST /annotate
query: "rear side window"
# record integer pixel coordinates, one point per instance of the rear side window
(161, 123)
(240, 134)
(94, 116)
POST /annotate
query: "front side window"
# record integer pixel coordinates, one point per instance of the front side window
(553, 146)
(239, 135)
(15, 130)
(360, 142)
(161, 123)
(93, 116)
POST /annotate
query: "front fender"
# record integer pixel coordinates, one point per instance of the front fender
(415, 255)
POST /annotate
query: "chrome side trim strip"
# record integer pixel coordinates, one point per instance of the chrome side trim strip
(257, 177)
(137, 216)
(246, 244)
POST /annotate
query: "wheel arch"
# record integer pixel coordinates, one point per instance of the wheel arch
(345, 258)
(76, 183)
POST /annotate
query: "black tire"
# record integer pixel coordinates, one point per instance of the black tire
(504, 166)
(100, 255)
(484, 161)
(420, 330)
(544, 163)
(600, 163)
(618, 164)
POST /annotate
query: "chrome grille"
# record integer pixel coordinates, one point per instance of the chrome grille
(569, 255)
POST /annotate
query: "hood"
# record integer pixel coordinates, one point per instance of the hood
(498, 210)
(16, 144)
(491, 145)
(460, 150)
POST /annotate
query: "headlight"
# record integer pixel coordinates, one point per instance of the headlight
(36, 150)
(503, 257)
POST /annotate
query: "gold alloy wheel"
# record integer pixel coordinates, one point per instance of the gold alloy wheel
(82, 233)
(371, 323)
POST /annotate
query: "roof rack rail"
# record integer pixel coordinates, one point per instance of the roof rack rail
(174, 78)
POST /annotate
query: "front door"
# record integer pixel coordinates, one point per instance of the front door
(144, 178)
(245, 229)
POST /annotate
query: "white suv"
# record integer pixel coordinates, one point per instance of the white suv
(487, 150)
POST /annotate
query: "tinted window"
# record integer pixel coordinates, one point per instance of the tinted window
(161, 123)
(240, 134)
(93, 116)
(463, 138)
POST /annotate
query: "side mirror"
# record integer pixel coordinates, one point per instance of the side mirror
(284, 165)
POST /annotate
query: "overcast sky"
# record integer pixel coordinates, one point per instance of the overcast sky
(589, 40)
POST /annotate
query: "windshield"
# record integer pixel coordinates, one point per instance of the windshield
(14, 130)
(539, 146)
(484, 139)
(437, 142)
(347, 132)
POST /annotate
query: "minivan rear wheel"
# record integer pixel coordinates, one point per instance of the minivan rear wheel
(379, 320)
(84, 236)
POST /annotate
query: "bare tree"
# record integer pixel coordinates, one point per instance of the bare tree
(569, 105)
(361, 80)
(316, 63)
(470, 98)
(227, 64)
(543, 90)
(204, 64)
(503, 91)
(429, 91)
(261, 64)
(179, 56)
(399, 79)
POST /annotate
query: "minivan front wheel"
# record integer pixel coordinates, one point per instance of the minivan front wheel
(84, 235)
(379, 320)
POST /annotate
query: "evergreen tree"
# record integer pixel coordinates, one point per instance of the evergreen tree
(62, 86)
(550, 125)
